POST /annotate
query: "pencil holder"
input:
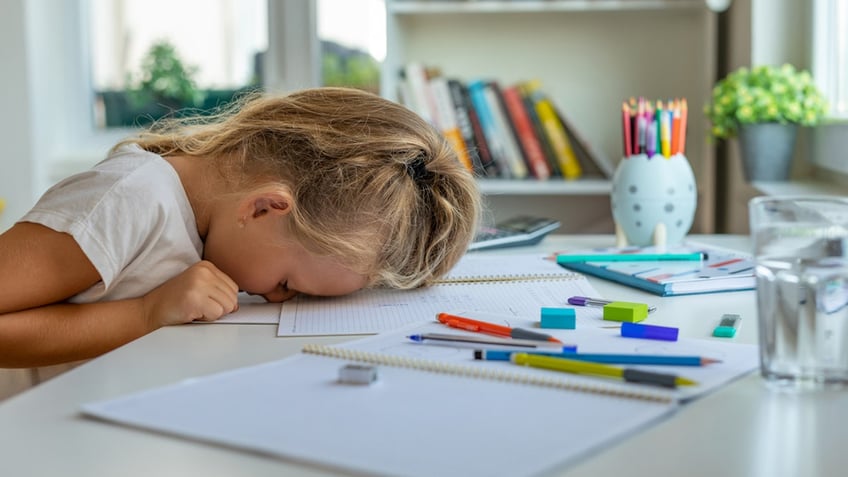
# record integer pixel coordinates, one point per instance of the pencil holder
(653, 200)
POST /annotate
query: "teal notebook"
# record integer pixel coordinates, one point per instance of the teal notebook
(719, 270)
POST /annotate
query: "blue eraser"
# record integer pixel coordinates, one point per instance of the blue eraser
(649, 332)
(559, 318)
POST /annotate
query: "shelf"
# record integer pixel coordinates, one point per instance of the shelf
(549, 187)
(399, 7)
(800, 187)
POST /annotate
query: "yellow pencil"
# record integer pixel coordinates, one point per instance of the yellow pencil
(597, 369)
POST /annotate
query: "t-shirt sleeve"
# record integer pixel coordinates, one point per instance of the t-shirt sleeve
(110, 216)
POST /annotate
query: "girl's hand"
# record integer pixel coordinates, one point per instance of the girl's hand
(202, 292)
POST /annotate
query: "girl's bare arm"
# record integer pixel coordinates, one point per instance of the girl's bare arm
(41, 268)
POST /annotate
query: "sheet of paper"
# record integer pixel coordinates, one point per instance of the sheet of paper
(379, 310)
(252, 310)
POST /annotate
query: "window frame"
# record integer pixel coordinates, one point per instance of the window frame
(825, 57)
(76, 143)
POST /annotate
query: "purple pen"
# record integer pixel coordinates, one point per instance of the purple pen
(586, 301)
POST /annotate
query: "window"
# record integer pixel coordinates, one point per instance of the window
(150, 58)
(830, 53)
(353, 42)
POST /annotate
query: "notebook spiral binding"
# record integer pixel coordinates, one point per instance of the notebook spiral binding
(510, 278)
(481, 373)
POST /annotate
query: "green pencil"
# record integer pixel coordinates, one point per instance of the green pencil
(629, 257)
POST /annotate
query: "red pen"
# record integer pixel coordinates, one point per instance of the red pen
(485, 327)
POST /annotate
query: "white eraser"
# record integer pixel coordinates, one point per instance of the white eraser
(357, 374)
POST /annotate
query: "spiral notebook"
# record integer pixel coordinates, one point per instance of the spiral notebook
(421, 417)
(516, 284)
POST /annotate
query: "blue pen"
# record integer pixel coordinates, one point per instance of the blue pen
(501, 355)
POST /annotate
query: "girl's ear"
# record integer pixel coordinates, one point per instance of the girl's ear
(272, 200)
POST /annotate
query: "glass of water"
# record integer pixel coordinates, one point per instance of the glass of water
(801, 252)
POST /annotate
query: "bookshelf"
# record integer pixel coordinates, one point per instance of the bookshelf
(590, 55)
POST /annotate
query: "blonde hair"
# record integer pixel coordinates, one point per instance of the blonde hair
(374, 185)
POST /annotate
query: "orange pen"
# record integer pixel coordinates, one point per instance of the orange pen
(485, 327)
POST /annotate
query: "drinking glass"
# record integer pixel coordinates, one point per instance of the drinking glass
(801, 253)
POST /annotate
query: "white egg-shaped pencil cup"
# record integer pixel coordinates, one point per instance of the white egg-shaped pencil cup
(653, 200)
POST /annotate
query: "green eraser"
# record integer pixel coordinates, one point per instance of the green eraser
(625, 311)
(559, 318)
(727, 326)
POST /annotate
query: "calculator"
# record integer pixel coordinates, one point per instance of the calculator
(514, 232)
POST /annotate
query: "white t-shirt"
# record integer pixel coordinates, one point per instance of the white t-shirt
(132, 219)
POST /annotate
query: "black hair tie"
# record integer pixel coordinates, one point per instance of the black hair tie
(417, 170)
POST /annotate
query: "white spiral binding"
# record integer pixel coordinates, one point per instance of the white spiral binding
(478, 372)
(509, 278)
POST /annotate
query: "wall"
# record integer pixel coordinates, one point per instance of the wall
(19, 169)
(762, 32)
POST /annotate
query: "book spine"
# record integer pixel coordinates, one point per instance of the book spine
(476, 90)
(566, 158)
(420, 93)
(446, 118)
(512, 151)
(527, 137)
(459, 100)
(539, 129)
(601, 161)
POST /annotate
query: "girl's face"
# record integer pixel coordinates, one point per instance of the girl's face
(261, 262)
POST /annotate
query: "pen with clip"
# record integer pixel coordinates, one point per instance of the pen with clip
(468, 324)
(586, 301)
(478, 341)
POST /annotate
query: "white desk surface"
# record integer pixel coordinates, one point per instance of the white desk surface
(744, 429)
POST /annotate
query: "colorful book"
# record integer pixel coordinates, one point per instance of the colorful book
(494, 138)
(463, 120)
(512, 150)
(569, 165)
(533, 152)
(720, 270)
(447, 121)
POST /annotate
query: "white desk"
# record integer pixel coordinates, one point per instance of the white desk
(741, 430)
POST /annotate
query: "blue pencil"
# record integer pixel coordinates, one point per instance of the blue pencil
(499, 355)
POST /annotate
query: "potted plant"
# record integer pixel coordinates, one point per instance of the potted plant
(764, 106)
(163, 85)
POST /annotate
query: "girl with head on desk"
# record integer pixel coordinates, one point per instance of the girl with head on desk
(323, 191)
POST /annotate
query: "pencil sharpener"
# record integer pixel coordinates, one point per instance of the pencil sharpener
(653, 200)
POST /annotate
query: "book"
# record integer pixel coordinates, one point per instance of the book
(512, 150)
(539, 129)
(422, 410)
(564, 151)
(486, 283)
(458, 96)
(418, 92)
(594, 158)
(494, 138)
(533, 152)
(447, 120)
(721, 270)
(487, 167)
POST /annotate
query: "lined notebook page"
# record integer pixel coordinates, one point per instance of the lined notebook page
(379, 310)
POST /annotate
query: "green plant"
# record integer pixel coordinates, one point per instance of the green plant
(165, 79)
(764, 94)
